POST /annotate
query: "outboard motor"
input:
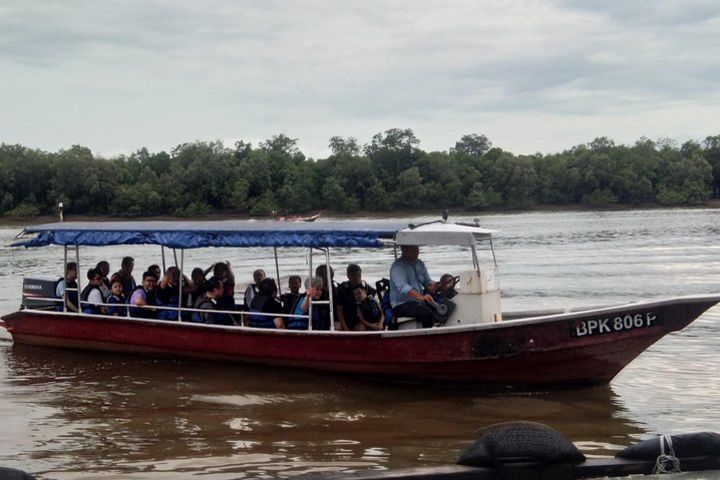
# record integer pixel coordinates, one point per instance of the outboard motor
(35, 288)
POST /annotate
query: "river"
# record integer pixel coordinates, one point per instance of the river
(79, 415)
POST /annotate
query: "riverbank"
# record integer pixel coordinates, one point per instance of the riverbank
(22, 222)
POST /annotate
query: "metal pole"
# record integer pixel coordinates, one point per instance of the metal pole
(162, 252)
(310, 300)
(175, 255)
(277, 271)
(493, 252)
(77, 280)
(328, 272)
(65, 280)
(476, 263)
(180, 284)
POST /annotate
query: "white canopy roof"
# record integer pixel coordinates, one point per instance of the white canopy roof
(442, 233)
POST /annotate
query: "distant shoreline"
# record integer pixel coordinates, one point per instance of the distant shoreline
(7, 221)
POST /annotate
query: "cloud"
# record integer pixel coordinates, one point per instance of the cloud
(117, 75)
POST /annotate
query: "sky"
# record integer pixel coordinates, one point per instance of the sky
(533, 76)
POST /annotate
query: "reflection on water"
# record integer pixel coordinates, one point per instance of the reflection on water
(91, 412)
(83, 415)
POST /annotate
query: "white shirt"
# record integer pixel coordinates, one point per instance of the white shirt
(95, 297)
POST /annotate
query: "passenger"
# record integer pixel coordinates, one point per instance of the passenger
(198, 279)
(290, 300)
(254, 288)
(222, 272)
(266, 301)
(314, 291)
(324, 310)
(155, 271)
(143, 297)
(346, 303)
(67, 289)
(409, 280)
(117, 298)
(104, 268)
(125, 275)
(168, 294)
(91, 295)
(208, 303)
(370, 315)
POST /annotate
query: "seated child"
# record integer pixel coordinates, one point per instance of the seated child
(369, 313)
(117, 298)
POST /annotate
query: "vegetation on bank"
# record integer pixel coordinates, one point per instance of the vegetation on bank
(389, 173)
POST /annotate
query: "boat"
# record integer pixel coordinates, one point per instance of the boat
(478, 345)
(297, 218)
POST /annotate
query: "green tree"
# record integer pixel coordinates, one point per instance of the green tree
(392, 153)
(344, 147)
(410, 190)
(515, 179)
(473, 144)
(711, 152)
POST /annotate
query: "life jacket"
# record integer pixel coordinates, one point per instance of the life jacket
(143, 312)
(297, 323)
(89, 307)
(289, 302)
(72, 295)
(197, 317)
(257, 305)
(320, 317)
(171, 302)
(390, 320)
(119, 311)
(370, 310)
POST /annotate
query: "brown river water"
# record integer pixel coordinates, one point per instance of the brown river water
(81, 415)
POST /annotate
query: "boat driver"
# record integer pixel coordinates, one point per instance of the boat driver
(409, 282)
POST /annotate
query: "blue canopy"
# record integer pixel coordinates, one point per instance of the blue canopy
(231, 233)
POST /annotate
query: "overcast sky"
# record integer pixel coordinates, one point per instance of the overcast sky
(531, 75)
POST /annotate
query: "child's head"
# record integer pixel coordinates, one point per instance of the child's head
(116, 287)
(359, 293)
(294, 283)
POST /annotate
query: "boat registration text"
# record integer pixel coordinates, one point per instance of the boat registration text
(618, 323)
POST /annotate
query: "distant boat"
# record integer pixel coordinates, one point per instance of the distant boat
(295, 218)
(479, 343)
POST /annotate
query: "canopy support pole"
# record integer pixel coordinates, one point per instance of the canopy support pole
(277, 270)
(328, 273)
(493, 252)
(175, 255)
(308, 287)
(162, 252)
(180, 284)
(77, 280)
(476, 263)
(65, 279)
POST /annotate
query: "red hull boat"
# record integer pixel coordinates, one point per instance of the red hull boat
(534, 351)
(572, 348)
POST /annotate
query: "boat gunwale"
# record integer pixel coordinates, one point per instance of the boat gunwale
(450, 329)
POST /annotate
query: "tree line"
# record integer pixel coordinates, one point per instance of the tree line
(389, 173)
